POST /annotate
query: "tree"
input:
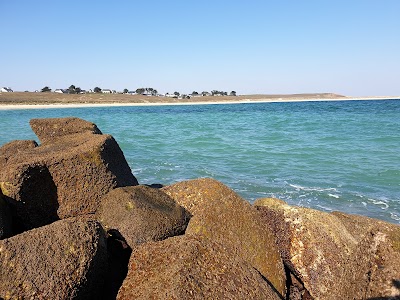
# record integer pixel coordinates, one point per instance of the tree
(233, 93)
(46, 89)
(194, 93)
(97, 89)
(126, 91)
(78, 90)
(140, 91)
(155, 92)
(176, 94)
(71, 89)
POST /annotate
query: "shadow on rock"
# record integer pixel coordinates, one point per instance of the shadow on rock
(119, 253)
(38, 205)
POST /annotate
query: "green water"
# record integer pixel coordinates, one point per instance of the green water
(326, 155)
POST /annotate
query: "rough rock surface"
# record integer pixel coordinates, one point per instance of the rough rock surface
(188, 267)
(5, 219)
(323, 252)
(142, 214)
(48, 130)
(63, 260)
(382, 241)
(14, 148)
(64, 177)
(222, 216)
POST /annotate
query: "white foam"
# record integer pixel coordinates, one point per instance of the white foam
(395, 216)
(334, 196)
(312, 189)
(384, 205)
(324, 207)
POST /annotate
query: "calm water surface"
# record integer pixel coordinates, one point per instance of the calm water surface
(325, 155)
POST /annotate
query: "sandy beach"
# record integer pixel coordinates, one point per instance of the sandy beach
(28, 100)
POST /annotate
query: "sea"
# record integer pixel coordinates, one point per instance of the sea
(326, 155)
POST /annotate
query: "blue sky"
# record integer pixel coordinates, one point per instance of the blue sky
(345, 47)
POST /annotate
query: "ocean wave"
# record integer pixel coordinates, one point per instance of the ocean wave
(324, 207)
(383, 204)
(312, 189)
(395, 216)
(334, 196)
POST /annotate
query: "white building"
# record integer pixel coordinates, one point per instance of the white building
(6, 90)
(106, 91)
(61, 91)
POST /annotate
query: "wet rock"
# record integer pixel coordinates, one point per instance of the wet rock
(66, 176)
(142, 214)
(189, 267)
(222, 216)
(64, 260)
(50, 129)
(332, 259)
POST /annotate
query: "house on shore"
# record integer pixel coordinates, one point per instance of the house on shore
(61, 91)
(106, 91)
(6, 90)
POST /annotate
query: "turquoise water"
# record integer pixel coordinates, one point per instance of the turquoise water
(325, 155)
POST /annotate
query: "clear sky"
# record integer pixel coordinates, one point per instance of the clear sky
(349, 47)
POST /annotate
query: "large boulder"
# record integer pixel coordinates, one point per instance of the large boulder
(65, 176)
(63, 260)
(142, 214)
(331, 258)
(189, 267)
(381, 240)
(222, 216)
(48, 130)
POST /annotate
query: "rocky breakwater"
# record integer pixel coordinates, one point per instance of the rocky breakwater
(75, 224)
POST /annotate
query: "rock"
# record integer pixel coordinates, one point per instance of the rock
(222, 216)
(142, 214)
(50, 129)
(64, 177)
(63, 260)
(381, 240)
(13, 149)
(315, 246)
(189, 267)
(5, 219)
(332, 259)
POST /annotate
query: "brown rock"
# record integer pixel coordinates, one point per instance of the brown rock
(222, 216)
(14, 148)
(142, 214)
(381, 240)
(64, 260)
(314, 245)
(331, 258)
(63, 177)
(50, 129)
(189, 267)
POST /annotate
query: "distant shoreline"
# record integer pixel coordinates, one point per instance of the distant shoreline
(12, 101)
